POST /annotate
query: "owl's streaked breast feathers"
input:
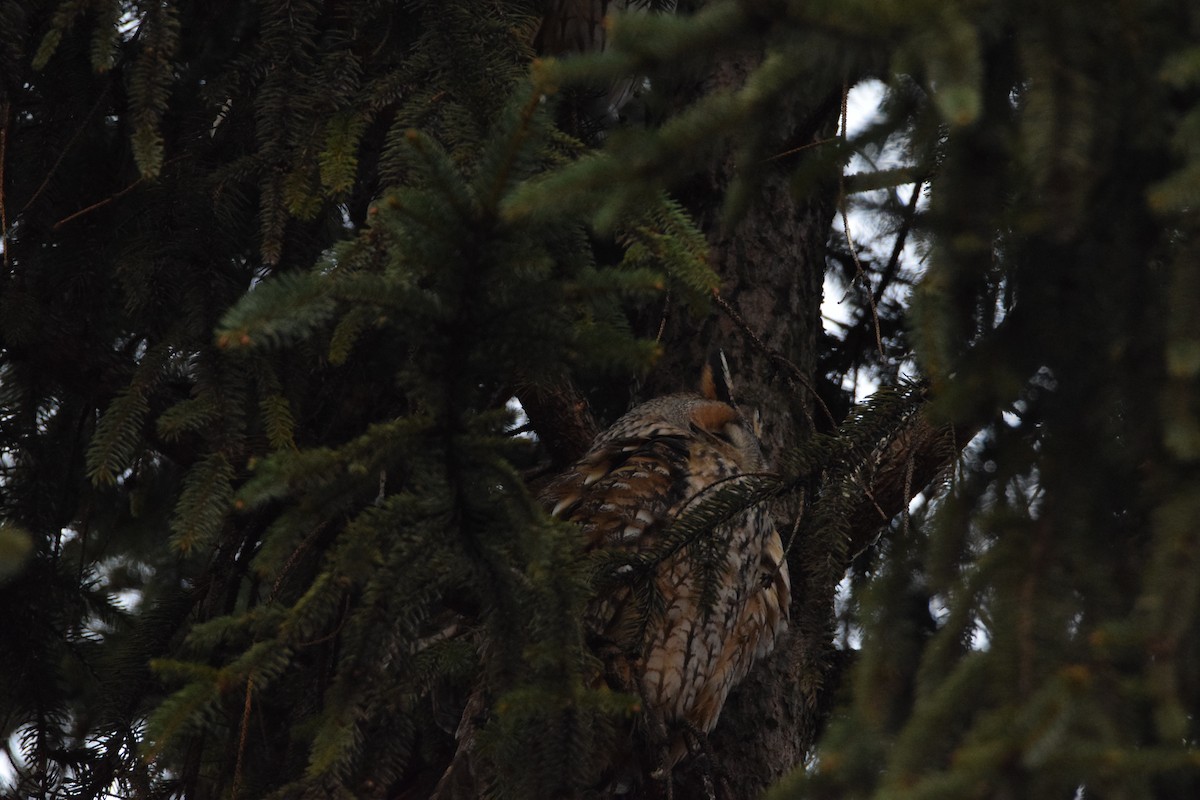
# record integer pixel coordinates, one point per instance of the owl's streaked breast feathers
(638, 476)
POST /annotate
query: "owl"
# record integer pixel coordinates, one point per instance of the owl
(709, 622)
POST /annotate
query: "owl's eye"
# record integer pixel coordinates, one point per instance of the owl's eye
(721, 433)
(724, 434)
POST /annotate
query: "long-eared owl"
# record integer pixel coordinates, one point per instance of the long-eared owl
(639, 476)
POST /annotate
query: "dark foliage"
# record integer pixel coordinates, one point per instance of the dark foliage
(273, 271)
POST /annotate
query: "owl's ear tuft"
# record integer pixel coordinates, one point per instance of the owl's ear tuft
(716, 382)
(712, 418)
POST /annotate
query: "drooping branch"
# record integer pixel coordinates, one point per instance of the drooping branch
(920, 454)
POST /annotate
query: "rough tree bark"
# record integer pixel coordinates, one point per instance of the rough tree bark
(766, 319)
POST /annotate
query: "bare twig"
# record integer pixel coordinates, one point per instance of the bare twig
(58, 161)
(908, 477)
(3, 158)
(794, 150)
(893, 265)
(81, 212)
(243, 728)
(787, 548)
(291, 561)
(861, 274)
(666, 312)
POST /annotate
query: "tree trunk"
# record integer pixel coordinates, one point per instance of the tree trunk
(767, 321)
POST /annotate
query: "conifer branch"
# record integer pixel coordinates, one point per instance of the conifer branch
(920, 453)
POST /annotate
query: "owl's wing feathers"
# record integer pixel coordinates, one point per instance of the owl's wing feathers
(622, 496)
(768, 607)
(619, 492)
(624, 493)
